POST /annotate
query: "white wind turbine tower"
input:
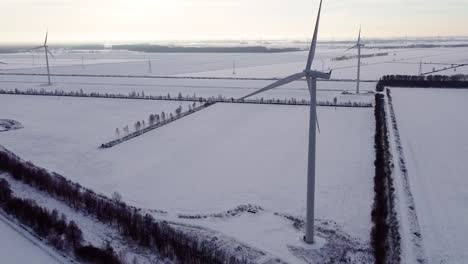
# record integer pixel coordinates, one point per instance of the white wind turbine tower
(47, 53)
(311, 78)
(358, 46)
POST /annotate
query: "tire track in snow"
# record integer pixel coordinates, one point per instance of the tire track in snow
(416, 235)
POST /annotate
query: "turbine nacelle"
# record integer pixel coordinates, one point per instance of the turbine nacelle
(318, 74)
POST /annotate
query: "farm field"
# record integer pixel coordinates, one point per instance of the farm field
(213, 161)
(199, 88)
(239, 170)
(398, 61)
(433, 137)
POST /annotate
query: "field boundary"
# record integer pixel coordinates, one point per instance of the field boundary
(289, 102)
(149, 128)
(385, 235)
(170, 77)
(409, 205)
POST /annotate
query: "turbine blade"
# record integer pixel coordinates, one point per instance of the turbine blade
(313, 45)
(45, 41)
(50, 53)
(281, 82)
(36, 48)
(317, 119)
(3, 63)
(355, 46)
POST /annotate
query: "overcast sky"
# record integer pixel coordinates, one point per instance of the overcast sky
(134, 20)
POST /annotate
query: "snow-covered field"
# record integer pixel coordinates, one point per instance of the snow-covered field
(433, 134)
(230, 155)
(17, 246)
(219, 158)
(398, 61)
(199, 88)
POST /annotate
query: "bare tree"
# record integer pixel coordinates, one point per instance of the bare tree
(116, 197)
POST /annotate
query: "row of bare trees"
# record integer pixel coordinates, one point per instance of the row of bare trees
(423, 81)
(52, 227)
(143, 229)
(187, 98)
(154, 119)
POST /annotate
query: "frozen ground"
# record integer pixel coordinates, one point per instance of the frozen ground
(222, 157)
(433, 135)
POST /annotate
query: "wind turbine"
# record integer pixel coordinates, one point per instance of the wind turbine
(358, 46)
(150, 68)
(311, 78)
(47, 52)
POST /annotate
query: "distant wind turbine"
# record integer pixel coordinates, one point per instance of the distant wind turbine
(47, 53)
(358, 46)
(311, 77)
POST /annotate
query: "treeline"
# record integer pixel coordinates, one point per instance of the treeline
(385, 236)
(179, 49)
(429, 81)
(49, 226)
(154, 121)
(143, 229)
(180, 97)
(363, 56)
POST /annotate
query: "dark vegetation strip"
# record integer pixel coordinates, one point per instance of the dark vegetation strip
(154, 126)
(180, 98)
(143, 229)
(49, 227)
(183, 49)
(385, 237)
(458, 81)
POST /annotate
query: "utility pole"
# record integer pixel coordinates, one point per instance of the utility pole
(420, 68)
(234, 67)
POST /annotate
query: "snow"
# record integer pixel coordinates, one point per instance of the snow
(17, 247)
(399, 61)
(203, 88)
(6, 125)
(433, 135)
(229, 155)
(211, 161)
(94, 232)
